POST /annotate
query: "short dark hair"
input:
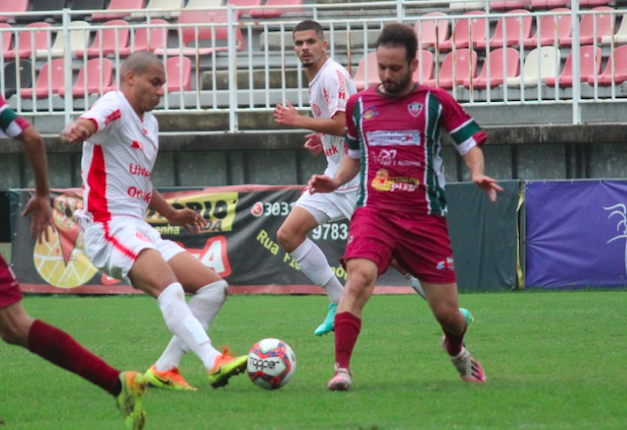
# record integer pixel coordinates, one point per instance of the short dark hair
(309, 25)
(399, 35)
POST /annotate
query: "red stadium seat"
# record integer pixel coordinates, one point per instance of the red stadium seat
(512, 27)
(594, 3)
(148, 39)
(251, 3)
(590, 65)
(16, 6)
(549, 25)
(498, 72)
(6, 38)
(425, 64)
(425, 30)
(50, 80)
(118, 5)
(112, 39)
(509, 5)
(276, 13)
(31, 39)
(461, 32)
(373, 72)
(178, 74)
(620, 69)
(586, 27)
(89, 79)
(465, 64)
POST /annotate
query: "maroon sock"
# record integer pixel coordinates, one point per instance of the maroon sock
(61, 349)
(347, 327)
(453, 343)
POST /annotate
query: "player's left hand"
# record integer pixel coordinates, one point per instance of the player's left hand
(287, 115)
(489, 185)
(313, 143)
(39, 208)
(321, 184)
(188, 218)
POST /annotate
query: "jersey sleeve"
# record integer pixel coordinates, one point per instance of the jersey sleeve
(463, 129)
(104, 114)
(11, 124)
(352, 138)
(336, 94)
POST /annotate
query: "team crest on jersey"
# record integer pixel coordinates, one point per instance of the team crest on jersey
(415, 109)
(316, 110)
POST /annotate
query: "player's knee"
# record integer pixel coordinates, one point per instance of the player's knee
(285, 238)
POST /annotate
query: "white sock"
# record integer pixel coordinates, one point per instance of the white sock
(179, 319)
(315, 266)
(205, 305)
(415, 284)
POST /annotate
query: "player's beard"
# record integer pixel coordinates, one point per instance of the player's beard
(398, 87)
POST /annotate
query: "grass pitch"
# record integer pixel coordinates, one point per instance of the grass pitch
(553, 361)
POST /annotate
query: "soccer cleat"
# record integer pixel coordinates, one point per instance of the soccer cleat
(469, 318)
(130, 400)
(341, 381)
(469, 369)
(327, 324)
(170, 379)
(226, 366)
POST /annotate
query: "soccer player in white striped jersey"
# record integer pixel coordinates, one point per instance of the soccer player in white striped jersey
(330, 86)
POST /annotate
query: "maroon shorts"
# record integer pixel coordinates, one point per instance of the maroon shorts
(420, 243)
(9, 288)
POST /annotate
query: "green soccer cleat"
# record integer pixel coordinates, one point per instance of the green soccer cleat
(327, 324)
(469, 318)
(169, 379)
(130, 400)
(226, 366)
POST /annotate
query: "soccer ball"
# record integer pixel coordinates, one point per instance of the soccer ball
(271, 363)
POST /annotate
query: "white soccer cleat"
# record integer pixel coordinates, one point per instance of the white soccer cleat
(469, 369)
(341, 381)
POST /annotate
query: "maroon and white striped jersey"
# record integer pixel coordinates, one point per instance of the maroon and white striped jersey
(11, 125)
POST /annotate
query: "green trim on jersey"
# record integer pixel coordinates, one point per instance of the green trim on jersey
(363, 172)
(7, 116)
(435, 193)
(465, 133)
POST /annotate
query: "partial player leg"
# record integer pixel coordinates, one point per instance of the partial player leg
(362, 274)
(293, 238)
(443, 301)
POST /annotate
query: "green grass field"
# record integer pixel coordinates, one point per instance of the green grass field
(553, 361)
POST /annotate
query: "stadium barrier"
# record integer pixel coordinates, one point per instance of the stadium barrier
(240, 243)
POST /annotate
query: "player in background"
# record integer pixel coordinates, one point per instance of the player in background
(402, 206)
(49, 342)
(121, 142)
(330, 86)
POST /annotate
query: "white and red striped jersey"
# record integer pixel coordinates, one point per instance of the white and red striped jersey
(11, 125)
(118, 159)
(329, 91)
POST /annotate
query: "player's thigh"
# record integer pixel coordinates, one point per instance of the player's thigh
(191, 273)
(15, 324)
(299, 223)
(151, 273)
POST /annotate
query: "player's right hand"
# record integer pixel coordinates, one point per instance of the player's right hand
(39, 208)
(313, 143)
(74, 134)
(321, 184)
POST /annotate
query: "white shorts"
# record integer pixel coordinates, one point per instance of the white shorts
(327, 207)
(113, 246)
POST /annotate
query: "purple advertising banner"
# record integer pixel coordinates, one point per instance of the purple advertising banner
(576, 234)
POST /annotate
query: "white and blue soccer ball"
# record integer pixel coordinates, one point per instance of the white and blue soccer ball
(271, 363)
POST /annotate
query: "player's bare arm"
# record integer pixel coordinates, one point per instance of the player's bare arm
(288, 115)
(188, 218)
(38, 207)
(476, 164)
(76, 132)
(348, 169)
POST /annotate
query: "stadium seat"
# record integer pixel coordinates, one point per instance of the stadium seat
(425, 30)
(42, 6)
(203, 4)
(6, 38)
(549, 25)
(275, 13)
(118, 5)
(465, 64)
(586, 27)
(148, 39)
(466, 6)
(239, 3)
(621, 35)
(89, 79)
(509, 5)
(11, 76)
(512, 28)
(156, 9)
(461, 31)
(110, 42)
(373, 72)
(539, 65)
(16, 6)
(425, 64)
(589, 65)
(498, 73)
(178, 74)
(205, 22)
(594, 3)
(50, 80)
(554, 4)
(29, 40)
(620, 70)
(79, 37)
(78, 5)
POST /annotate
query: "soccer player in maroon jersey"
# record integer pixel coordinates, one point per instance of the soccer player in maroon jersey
(50, 343)
(394, 134)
